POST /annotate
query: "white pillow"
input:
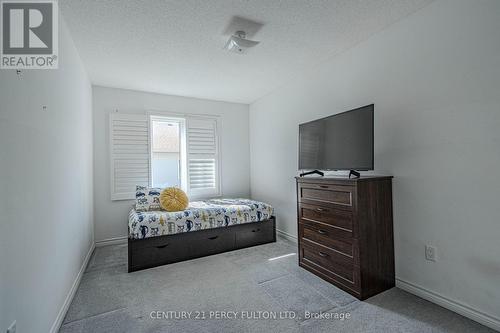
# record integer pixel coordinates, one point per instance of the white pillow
(147, 198)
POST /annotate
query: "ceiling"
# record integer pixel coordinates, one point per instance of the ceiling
(176, 47)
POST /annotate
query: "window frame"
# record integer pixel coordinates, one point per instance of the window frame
(182, 151)
(218, 135)
(148, 115)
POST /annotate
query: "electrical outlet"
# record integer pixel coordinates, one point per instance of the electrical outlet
(12, 328)
(430, 253)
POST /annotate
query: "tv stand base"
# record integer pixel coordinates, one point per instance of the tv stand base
(354, 173)
(311, 173)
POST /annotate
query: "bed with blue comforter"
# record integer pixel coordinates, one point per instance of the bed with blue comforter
(200, 215)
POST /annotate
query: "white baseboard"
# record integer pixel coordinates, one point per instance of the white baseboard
(286, 235)
(69, 298)
(111, 241)
(455, 306)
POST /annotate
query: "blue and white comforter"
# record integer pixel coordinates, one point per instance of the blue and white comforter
(199, 215)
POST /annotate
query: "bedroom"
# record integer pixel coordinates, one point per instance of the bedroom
(155, 94)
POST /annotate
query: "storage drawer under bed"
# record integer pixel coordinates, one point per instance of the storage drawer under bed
(161, 250)
(255, 233)
(211, 241)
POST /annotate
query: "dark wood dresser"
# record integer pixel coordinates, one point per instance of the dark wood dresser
(345, 232)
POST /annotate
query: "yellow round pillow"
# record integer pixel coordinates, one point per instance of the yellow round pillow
(173, 199)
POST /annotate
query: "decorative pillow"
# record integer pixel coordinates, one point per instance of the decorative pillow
(173, 199)
(147, 198)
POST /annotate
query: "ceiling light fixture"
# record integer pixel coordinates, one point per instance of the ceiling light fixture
(238, 43)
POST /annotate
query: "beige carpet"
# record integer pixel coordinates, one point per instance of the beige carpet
(247, 287)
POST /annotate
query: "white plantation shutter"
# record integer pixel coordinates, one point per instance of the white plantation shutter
(129, 149)
(202, 157)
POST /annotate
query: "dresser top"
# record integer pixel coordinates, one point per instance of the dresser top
(326, 179)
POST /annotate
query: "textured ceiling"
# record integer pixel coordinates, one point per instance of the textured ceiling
(175, 47)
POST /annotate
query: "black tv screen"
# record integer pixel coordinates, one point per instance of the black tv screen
(340, 142)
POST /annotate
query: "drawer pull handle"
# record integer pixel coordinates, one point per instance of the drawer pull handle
(322, 232)
(214, 237)
(256, 230)
(323, 186)
(321, 210)
(162, 246)
(323, 254)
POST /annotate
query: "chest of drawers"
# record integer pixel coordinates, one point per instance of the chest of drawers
(345, 232)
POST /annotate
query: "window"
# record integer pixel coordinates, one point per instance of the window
(167, 152)
(163, 151)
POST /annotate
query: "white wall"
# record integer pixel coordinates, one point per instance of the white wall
(435, 80)
(46, 191)
(111, 216)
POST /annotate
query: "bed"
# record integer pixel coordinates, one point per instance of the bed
(206, 227)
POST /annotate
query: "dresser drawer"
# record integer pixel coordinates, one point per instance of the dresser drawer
(329, 195)
(323, 235)
(330, 263)
(337, 218)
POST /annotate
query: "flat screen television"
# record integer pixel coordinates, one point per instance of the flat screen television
(343, 141)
